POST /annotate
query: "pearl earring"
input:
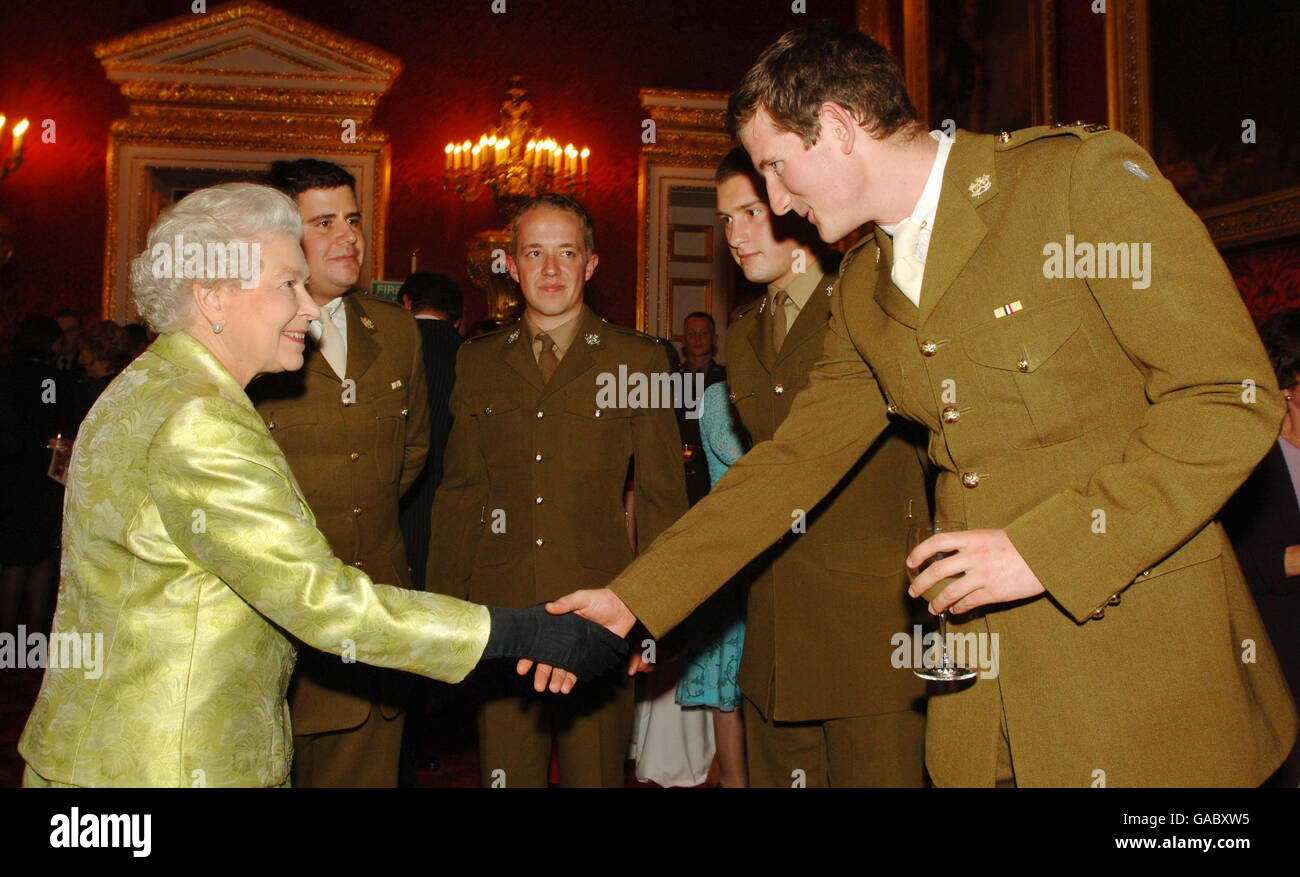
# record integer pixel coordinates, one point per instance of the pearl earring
(216, 328)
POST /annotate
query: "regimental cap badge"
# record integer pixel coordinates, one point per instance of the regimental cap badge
(980, 185)
(592, 339)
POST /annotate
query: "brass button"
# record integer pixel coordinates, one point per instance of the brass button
(778, 389)
(357, 510)
(540, 415)
(1113, 601)
(891, 408)
(487, 410)
(950, 414)
(1099, 614)
(270, 424)
(1023, 364)
(538, 456)
(539, 543)
(970, 479)
(1004, 137)
(404, 410)
(731, 396)
(929, 347)
(597, 412)
(538, 500)
(354, 456)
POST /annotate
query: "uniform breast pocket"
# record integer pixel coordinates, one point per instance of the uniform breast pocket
(1038, 373)
(594, 437)
(499, 418)
(390, 433)
(744, 398)
(295, 428)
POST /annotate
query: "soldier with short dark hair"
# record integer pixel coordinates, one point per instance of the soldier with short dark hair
(354, 425)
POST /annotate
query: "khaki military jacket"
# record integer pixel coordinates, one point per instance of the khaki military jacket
(836, 580)
(1101, 423)
(355, 448)
(531, 502)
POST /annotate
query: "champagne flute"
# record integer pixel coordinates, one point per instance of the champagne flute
(947, 671)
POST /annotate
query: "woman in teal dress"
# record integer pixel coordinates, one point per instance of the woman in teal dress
(718, 626)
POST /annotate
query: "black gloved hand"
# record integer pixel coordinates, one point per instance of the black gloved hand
(582, 647)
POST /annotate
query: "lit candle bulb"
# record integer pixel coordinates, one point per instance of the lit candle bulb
(19, 130)
(475, 153)
(583, 155)
(448, 151)
(457, 154)
(503, 150)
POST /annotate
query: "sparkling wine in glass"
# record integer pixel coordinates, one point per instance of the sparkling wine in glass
(947, 670)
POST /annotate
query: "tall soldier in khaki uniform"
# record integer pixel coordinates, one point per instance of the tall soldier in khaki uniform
(532, 492)
(837, 579)
(1087, 421)
(355, 442)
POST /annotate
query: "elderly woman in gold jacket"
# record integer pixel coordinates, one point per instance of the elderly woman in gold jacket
(189, 546)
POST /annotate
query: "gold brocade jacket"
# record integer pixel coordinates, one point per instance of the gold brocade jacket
(188, 544)
(1100, 417)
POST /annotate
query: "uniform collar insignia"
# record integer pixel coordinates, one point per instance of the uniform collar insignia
(368, 323)
(980, 185)
(512, 337)
(592, 339)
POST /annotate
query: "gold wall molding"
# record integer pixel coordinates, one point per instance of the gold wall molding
(223, 94)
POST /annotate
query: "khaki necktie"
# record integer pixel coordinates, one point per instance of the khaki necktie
(331, 344)
(908, 270)
(547, 360)
(778, 320)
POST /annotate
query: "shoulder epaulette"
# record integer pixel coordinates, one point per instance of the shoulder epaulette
(1012, 139)
(388, 301)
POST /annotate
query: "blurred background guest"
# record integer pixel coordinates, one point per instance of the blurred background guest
(30, 501)
(436, 303)
(1263, 521)
(66, 349)
(105, 349)
(141, 337)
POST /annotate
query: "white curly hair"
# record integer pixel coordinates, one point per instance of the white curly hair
(214, 218)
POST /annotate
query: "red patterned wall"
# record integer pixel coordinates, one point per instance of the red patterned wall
(583, 62)
(1268, 276)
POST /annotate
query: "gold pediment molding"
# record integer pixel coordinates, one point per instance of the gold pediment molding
(247, 43)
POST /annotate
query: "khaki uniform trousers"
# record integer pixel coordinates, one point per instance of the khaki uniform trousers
(592, 730)
(364, 757)
(882, 751)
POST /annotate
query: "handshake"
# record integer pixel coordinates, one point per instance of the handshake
(580, 636)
